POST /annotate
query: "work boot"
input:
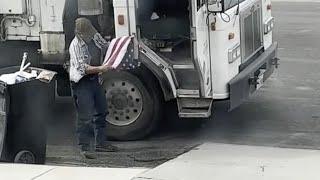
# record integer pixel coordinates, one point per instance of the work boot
(85, 152)
(106, 148)
(88, 155)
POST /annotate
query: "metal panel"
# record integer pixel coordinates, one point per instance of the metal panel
(90, 7)
(24, 27)
(127, 10)
(248, 36)
(52, 43)
(161, 64)
(251, 31)
(53, 48)
(52, 15)
(12, 6)
(203, 59)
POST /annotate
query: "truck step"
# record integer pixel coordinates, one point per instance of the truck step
(183, 66)
(194, 102)
(188, 93)
(194, 113)
(194, 107)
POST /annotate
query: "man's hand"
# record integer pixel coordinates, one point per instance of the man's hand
(105, 68)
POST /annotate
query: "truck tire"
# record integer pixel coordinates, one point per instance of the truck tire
(134, 105)
(25, 157)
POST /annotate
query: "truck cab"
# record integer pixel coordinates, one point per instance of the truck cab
(194, 52)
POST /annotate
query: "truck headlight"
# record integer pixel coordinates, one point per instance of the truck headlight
(234, 53)
(268, 26)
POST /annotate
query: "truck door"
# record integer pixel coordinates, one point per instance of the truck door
(201, 46)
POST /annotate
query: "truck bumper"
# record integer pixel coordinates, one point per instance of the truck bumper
(252, 77)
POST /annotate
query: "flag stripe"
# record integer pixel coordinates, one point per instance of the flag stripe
(115, 55)
(119, 40)
(116, 51)
(110, 51)
(121, 55)
(115, 48)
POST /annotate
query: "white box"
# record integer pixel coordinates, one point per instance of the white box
(12, 6)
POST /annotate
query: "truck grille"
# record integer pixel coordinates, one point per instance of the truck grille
(251, 31)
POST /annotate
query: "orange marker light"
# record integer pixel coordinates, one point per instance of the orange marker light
(269, 7)
(231, 36)
(121, 19)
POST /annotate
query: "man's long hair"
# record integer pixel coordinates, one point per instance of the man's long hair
(84, 29)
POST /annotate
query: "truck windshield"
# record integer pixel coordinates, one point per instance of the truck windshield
(230, 3)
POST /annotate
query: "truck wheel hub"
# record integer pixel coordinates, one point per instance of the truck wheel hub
(124, 103)
(119, 101)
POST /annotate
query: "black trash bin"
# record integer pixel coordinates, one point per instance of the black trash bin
(24, 111)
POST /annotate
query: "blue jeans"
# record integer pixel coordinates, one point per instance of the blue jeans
(91, 106)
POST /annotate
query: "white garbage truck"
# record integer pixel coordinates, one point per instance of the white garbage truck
(194, 52)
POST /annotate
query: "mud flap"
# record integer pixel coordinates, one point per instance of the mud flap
(249, 80)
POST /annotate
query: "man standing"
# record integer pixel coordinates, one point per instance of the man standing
(86, 52)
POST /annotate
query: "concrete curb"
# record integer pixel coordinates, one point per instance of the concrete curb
(37, 172)
(297, 1)
(229, 162)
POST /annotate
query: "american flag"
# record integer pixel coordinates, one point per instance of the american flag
(120, 54)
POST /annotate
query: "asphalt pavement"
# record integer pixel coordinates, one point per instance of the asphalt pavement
(284, 113)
